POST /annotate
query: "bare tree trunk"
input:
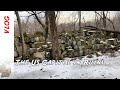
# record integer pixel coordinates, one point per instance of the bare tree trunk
(21, 35)
(104, 23)
(79, 15)
(96, 19)
(74, 26)
(46, 28)
(104, 20)
(84, 21)
(54, 36)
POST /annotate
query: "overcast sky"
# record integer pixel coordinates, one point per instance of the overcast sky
(68, 16)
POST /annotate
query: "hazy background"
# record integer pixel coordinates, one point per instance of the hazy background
(66, 20)
(67, 16)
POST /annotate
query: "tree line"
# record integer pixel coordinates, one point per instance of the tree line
(50, 27)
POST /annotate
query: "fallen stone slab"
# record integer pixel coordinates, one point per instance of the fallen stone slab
(6, 73)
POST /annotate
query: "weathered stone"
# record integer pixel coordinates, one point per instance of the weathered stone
(82, 37)
(79, 43)
(49, 43)
(62, 47)
(39, 49)
(77, 38)
(98, 54)
(74, 43)
(63, 54)
(80, 50)
(118, 36)
(49, 49)
(32, 50)
(88, 51)
(38, 34)
(6, 73)
(30, 35)
(90, 56)
(38, 44)
(70, 50)
(92, 32)
(82, 42)
(112, 41)
(40, 55)
(37, 39)
(96, 46)
(70, 42)
(15, 54)
(16, 40)
(27, 39)
(69, 54)
(97, 41)
(76, 54)
(32, 40)
(84, 32)
(48, 55)
(44, 46)
(76, 48)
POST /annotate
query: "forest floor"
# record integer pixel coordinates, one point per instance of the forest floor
(107, 68)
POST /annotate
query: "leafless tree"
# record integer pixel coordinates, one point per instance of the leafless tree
(54, 36)
(79, 15)
(21, 36)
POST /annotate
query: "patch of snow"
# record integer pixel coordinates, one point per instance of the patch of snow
(119, 50)
(81, 40)
(112, 46)
(103, 42)
(48, 42)
(70, 49)
(111, 39)
(108, 70)
(99, 53)
(44, 46)
(65, 33)
(84, 30)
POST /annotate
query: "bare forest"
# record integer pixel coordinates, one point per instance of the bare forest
(40, 35)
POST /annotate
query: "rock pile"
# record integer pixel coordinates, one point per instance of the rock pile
(71, 44)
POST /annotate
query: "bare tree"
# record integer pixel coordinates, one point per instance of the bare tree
(21, 35)
(54, 36)
(46, 26)
(79, 15)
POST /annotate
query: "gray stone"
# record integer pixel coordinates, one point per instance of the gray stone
(15, 54)
(63, 54)
(40, 55)
(37, 39)
(112, 41)
(38, 44)
(76, 54)
(74, 43)
(70, 42)
(90, 56)
(32, 40)
(88, 51)
(6, 73)
(92, 32)
(82, 42)
(32, 50)
(76, 48)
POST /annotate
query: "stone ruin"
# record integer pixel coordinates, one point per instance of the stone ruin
(72, 44)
